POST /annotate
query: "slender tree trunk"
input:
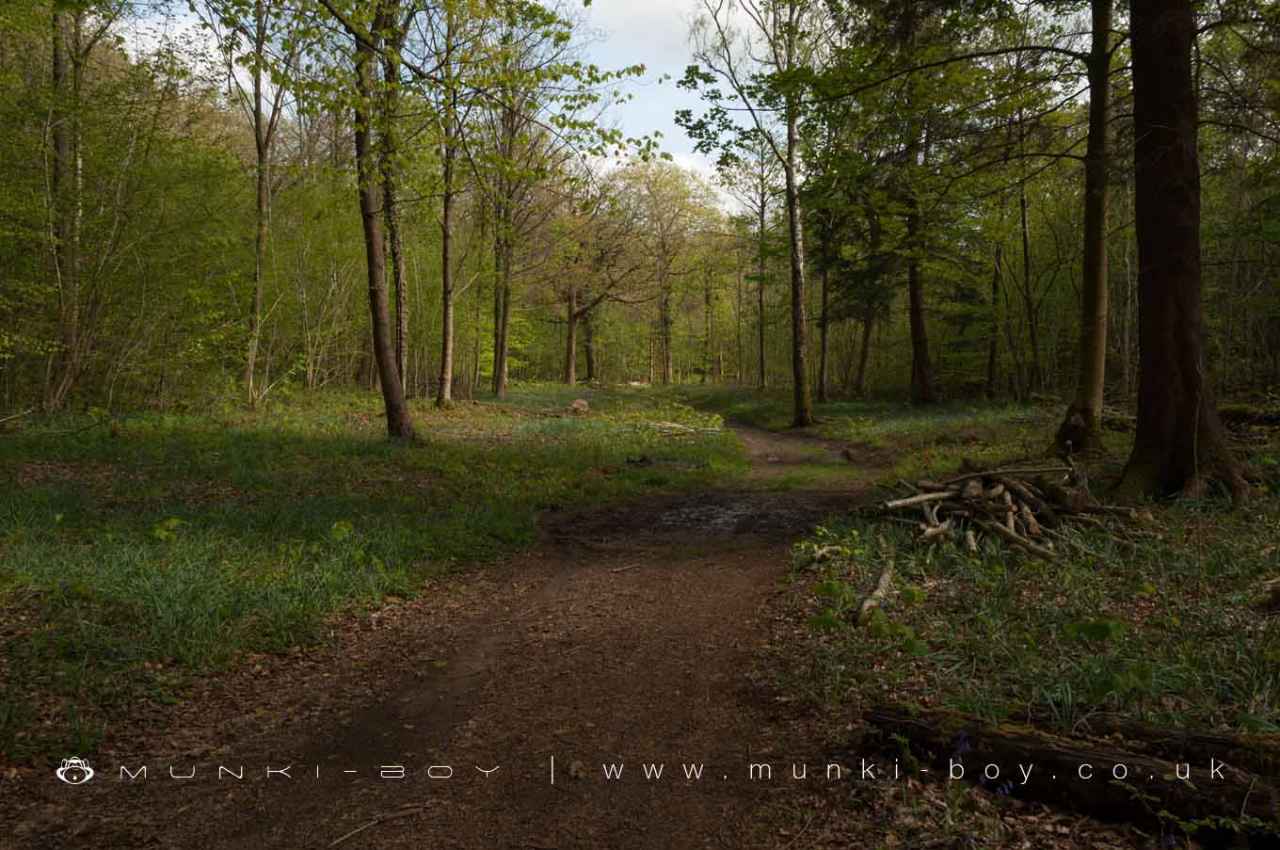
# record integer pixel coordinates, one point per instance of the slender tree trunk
(665, 321)
(707, 330)
(860, 379)
(503, 260)
(444, 395)
(399, 424)
(1083, 421)
(391, 210)
(66, 186)
(993, 345)
(738, 318)
(448, 156)
(1036, 376)
(824, 327)
(571, 339)
(589, 342)
(1180, 442)
(262, 203)
(921, 370)
(760, 273)
(802, 413)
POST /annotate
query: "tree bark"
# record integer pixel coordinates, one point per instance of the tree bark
(66, 184)
(993, 345)
(860, 379)
(589, 343)
(921, 371)
(824, 327)
(399, 424)
(448, 155)
(665, 321)
(760, 272)
(571, 339)
(391, 208)
(802, 413)
(1180, 442)
(1082, 424)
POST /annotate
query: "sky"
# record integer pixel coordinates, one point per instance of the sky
(654, 33)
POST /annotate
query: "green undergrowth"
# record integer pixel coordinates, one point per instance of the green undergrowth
(1165, 619)
(136, 551)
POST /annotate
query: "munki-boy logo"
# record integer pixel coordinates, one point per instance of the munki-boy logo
(74, 771)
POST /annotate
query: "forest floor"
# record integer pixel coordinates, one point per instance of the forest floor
(656, 620)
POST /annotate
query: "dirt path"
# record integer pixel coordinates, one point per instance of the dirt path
(627, 638)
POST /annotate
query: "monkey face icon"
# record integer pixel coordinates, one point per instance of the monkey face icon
(74, 771)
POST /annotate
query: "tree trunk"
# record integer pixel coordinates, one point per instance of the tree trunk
(760, 271)
(444, 395)
(502, 248)
(399, 425)
(921, 371)
(860, 379)
(1180, 441)
(824, 327)
(66, 183)
(391, 211)
(993, 346)
(262, 199)
(707, 330)
(571, 339)
(665, 320)
(1083, 421)
(1036, 376)
(802, 413)
(589, 342)
(448, 155)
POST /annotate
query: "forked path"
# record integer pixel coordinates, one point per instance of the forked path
(625, 641)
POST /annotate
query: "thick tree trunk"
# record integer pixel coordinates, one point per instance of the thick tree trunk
(399, 425)
(1082, 424)
(824, 327)
(802, 405)
(1180, 442)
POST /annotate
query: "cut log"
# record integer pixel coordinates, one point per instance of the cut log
(1089, 777)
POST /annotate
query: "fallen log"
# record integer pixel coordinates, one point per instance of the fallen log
(1090, 777)
(1258, 754)
(877, 596)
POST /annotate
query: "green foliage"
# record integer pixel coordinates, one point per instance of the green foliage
(137, 555)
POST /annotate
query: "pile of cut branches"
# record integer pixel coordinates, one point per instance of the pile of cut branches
(1022, 506)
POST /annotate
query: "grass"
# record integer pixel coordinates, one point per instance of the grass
(1156, 621)
(138, 552)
